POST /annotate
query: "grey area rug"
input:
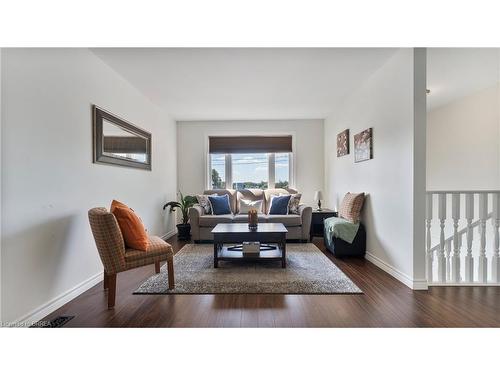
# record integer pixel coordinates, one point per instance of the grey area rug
(308, 271)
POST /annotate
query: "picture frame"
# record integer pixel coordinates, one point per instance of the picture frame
(363, 145)
(343, 143)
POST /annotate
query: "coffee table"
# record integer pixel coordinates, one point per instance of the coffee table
(273, 235)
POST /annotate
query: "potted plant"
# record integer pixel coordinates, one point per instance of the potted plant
(185, 202)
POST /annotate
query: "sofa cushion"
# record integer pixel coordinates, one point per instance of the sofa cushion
(220, 204)
(287, 220)
(230, 192)
(244, 206)
(350, 208)
(251, 195)
(204, 202)
(213, 220)
(279, 205)
(293, 206)
(243, 218)
(277, 191)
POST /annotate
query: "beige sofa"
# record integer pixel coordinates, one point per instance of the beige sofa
(298, 225)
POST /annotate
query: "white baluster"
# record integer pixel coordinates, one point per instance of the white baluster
(469, 216)
(429, 255)
(448, 259)
(495, 260)
(440, 257)
(455, 260)
(483, 216)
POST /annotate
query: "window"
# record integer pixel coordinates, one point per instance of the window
(217, 171)
(250, 171)
(282, 170)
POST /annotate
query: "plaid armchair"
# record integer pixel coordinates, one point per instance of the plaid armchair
(116, 258)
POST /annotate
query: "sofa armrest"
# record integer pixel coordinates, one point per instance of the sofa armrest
(305, 213)
(194, 214)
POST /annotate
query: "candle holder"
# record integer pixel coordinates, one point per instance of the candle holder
(253, 219)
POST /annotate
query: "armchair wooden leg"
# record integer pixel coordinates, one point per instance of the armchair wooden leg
(157, 267)
(170, 266)
(105, 282)
(111, 290)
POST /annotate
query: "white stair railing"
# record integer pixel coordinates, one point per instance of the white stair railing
(454, 267)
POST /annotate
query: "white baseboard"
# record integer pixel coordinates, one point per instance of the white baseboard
(400, 276)
(51, 306)
(167, 235)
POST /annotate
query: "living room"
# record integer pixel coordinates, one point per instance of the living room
(286, 186)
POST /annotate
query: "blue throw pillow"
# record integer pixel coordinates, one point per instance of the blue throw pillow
(279, 205)
(220, 204)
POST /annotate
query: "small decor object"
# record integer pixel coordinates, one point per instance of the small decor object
(251, 247)
(253, 219)
(318, 196)
(343, 143)
(118, 142)
(363, 149)
(185, 202)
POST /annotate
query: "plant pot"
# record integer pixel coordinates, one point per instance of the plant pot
(183, 231)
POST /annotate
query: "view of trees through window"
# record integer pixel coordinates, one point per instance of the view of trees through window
(218, 165)
(282, 170)
(250, 170)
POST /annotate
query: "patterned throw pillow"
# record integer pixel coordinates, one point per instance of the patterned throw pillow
(247, 205)
(351, 206)
(204, 202)
(293, 206)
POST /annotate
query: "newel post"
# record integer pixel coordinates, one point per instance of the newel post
(428, 255)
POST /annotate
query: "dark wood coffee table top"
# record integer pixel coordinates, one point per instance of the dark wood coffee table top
(243, 228)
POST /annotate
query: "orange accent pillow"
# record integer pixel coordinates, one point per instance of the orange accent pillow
(131, 226)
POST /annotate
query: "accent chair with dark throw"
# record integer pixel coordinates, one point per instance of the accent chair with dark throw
(116, 257)
(345, 235)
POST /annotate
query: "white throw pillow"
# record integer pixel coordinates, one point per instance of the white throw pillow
(247, 205)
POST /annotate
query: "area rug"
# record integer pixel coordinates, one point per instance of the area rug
(308, 271)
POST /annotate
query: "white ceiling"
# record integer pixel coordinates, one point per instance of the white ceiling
(246, 83)
(453, 73)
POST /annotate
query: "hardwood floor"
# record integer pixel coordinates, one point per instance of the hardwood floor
(385, 303)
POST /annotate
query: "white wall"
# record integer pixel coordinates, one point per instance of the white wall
(384, 102)
(48, 178)
(463, 143)
(308, 141)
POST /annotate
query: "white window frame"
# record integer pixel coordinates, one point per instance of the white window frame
(292, 172)
(271, 180)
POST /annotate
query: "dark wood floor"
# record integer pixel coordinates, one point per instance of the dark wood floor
(385, 303)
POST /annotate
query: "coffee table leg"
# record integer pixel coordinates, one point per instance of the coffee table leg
(216, 258)
(283, 254)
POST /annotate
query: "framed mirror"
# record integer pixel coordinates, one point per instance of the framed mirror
(119, 142)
